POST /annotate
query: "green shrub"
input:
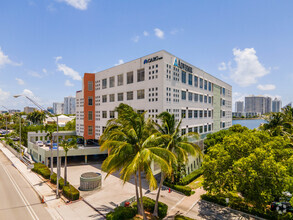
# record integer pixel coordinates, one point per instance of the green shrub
(149, 205)
(189, 178)
(121, 213)
(181, 217)
(70, 192)
(42, 169)
(61, 180)
(53, 178)
(184, 189)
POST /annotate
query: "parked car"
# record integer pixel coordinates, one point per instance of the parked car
(48, 143)
(15, 138)
(40, 143)
(276, 206)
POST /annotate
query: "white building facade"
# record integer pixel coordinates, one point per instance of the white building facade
(276, 105)
(69, 105)
(58, 108)
(155, 83)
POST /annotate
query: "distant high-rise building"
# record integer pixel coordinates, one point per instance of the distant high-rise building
(259, 104)
(239, 106)
(276, 105)
(29, 109)
(69, 105)
(289, 104)
(58, 108)
(12, 111)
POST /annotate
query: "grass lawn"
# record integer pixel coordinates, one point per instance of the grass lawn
(196, 183)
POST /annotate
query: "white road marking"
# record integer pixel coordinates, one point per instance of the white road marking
(27, 205)
(177, 203)
(192, 206)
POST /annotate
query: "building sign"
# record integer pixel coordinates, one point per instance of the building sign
(152, 59)
(182, 65)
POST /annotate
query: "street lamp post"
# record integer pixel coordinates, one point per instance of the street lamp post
(58, 159)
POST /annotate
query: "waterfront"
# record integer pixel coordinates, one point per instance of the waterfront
(251, 124)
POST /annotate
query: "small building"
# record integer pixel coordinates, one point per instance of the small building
(62, 120)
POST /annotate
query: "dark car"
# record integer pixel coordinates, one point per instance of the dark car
(281, 206)
(79, 141)
(15, 138)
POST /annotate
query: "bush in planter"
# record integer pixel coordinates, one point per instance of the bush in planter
(70, 192)
(61, 180)
(42, 169)
(190, 177)
(149, 205)
(121, 213)
(184, 189)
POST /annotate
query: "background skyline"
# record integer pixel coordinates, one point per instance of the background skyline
(46, 46)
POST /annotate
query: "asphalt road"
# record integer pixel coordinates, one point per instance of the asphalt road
(18, 200)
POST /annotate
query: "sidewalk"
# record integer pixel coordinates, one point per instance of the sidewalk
(56, 207)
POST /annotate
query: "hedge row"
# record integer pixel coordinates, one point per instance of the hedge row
(122, 213)
(181, 217)
(237, 203)
(69, 191)
(190, 177)
(184, 189)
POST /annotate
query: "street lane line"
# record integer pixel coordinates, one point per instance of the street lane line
(27, 205)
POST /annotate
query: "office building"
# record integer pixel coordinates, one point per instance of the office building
(69, 105)
(259, 104)
(276, 105)
(29, 109)
(239, 106)
(50, 109)
(290, 104)
(154, 83)
(58, 108)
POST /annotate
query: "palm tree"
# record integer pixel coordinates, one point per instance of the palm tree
(50, 136)
(67, 145)
(173, 141)
(130, 140)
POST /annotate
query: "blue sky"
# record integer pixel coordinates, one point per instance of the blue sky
(47, 45)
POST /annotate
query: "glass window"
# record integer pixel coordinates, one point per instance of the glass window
(210, 86)
(200, 129)
(190, 79)
(224, 102)
(205, 128)
(183, 113)
(104, 98)
(190, 96)
(90, 100)
(130, 95)
(195, 114)
(210, 113)
(120, 80)
(210, 99)
(201, 98)
(196, 129)
(205, 113)
(112, 97)
(183, 95)
(224, 91)
(129, 77)
(90, 130)
(224, 113)
(120, 96)
(140, 94)
(205, 85)
(200, 83)
(112, 114)
(195, 97)
(210, 127)
(90, 85)
(189, 113)
(104, 83)
(205, 99)
(140, 75)
(190, 130)
(195, 81)
(90, 115)
(104, 114)
(183, 77)
(200, 113)
(112, 81)
(183, 131)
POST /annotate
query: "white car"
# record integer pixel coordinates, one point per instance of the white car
(40, 143)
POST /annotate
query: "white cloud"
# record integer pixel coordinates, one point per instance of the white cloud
(4, 59)
(135, 39)
(68, 71)
(266, 87)
(248, 68)
(119, 62)
(222, 66)
(28, 93)
(57, 58)
(145, 33)
(34, 74)
(44, 70)
(159, 33)
(19, 81)
(68, 83)
(78, 4)
(4, 95)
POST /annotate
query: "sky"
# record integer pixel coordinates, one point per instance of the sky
(47, 45)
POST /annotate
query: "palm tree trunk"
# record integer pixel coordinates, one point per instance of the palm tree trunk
(140, 189)
(137, 195)
(51, 160)
(65, 170)
(156, 209)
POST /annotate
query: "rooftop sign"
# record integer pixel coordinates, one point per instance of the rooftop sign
(182, 65)
(152, 59)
